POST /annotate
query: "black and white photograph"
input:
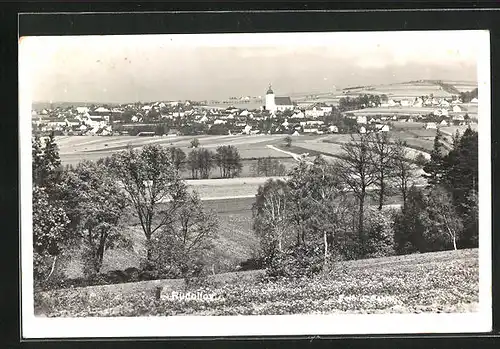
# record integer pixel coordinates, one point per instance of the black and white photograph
(255, 184)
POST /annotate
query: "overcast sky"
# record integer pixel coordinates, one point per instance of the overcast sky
(170, 67)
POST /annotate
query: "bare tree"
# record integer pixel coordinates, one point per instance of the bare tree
(383, 163)
(357, 171)
(404, 169)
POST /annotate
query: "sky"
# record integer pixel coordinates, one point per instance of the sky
(121, 69)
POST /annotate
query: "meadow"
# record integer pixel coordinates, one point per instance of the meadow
(431, 282)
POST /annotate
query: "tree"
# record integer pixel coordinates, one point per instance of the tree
(358, 173)
(46, 165)
(404, 170)
(228, 159)
(288, 141)
(434, 168)
(271, 216)
(445, 219)
(50, 233)
(409, 224)
(178, 158)
(195, 142)
(95, 205)
(183, 247)
(383, 162)
(150, 179)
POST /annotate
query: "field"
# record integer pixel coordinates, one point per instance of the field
(74, 149)
(431, 282)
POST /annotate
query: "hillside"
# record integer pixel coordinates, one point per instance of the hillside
(431, 282)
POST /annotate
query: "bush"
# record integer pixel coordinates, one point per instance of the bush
(297, 262)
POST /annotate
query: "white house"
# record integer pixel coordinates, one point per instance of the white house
(314, 112)
(382, 128)
(333, 129)
(134, 119)
(244, 113)
(362, 129)
(219, 122)
(285, 123)
(391, 103)
(82, 110)
(247, 129)
(444, 103)
(296, 133)
(474, 100)
(311, 130)
(361, 119)
(457, 109)
(443, 123)
(299, 115)
(418, 102)
(430, 125)
(102, 110)
(458, 118)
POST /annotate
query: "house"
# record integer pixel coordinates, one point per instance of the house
(458, 118)
(474, 100)
(410, 120)
(246, 129)
(285, 123)
(220, 122)
(244, 113)
(457, 109)
(333, 129)
(296, 133)
(314, 112)
(443, 123)
(444, 103)
(418, 102)
(405, 103)
(391, 103)
(430, 125)
(82, 110)
(361, 119)
(362, 129)
(372, 120)
(102, 110)
(298, 115)
(311, 130)
(134, 119)
(382, 128)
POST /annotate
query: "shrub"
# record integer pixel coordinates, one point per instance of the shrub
(295, 263)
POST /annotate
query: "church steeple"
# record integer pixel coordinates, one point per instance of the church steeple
(269, 90)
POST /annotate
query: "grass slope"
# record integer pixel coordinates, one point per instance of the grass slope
(431, 282)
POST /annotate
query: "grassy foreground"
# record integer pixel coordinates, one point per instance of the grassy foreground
(431, 282)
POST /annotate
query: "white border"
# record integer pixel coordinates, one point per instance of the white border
(187, 326)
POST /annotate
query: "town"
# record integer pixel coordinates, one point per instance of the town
(345, 111)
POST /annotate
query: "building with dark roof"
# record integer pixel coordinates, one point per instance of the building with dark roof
(274, 104)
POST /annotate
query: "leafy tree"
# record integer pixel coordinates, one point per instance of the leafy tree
(46, 165)
(409, 224)
(444, 218)
(183, 247)
(271, 212)
(434, 168)
(50, 234)
(150, 179)
(228, 159)
(95, 204)
(268, 167)
(178, 158)
(358, 173)
(195, 143)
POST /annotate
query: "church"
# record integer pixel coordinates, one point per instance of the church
(274, 104)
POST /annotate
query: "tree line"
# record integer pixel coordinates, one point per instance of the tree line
(321, 213)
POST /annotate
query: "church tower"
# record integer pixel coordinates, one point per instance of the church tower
(270, 101)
